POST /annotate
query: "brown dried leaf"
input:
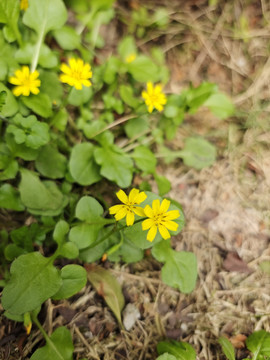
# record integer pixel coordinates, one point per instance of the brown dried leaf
(238, 341)
(233, 262)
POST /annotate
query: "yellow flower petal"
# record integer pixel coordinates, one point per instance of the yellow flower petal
(26, 82)
(17, 91)
(164, 232)
(130, 218)
(148, 211)
(114, 209)
(153, 97)
(140, 197)
(173, 214)
(152, 233)
(122, 196)
(14, 80)
(146, 224)
(138, 211)
(156, 205)
(77, 74)
(165, 205)
(120, 214)
(171, 225)
(132, 195)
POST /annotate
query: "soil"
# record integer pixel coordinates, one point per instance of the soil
(226, 206)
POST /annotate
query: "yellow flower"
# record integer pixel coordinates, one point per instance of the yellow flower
(76, 74)
(154, 97)
(24, 5)
(160, 218)
(25, 82)
(129, 207)
(130, 58)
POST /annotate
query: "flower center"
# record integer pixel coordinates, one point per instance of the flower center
(159, 219)
(76, 74)
(154, 98)
(27, 82)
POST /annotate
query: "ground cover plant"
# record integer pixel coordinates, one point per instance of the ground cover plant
(81, 135)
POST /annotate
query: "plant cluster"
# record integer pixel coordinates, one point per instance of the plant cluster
(72, 121)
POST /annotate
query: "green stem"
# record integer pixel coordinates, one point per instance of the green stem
(103, 222)
(43, 332)
(114, 230)
(46, 337)
(36, 53)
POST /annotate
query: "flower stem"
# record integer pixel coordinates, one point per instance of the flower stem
(114, 230)
(43, 332)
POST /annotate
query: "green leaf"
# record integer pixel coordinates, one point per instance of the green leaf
(101, 4)
(51, 86)
(40, 104)
(109, 288)
(51, 163)
(9, 14)
(29, 131)
(164, 185)
(113, 103)
(88, 210)
(220, 105)
(60, 119)
(166, 356)
(126, 93)
(111, 69)
(95, 251)
(136, 126)
(127, 47)
(40, 197)
(115, 165)
(7, 60)
(44, 16)
(58, 347)
(227, 348)
(128, 252)
(67, 38)
(47, 58)
(259, 344)
(13, 251)
(80, 97)
(20, 150)
(74, 279)
(69, 250)
(198, 153)
(143, 69)
(144, 159)
(33, 280)
(180, 269)
(3, 97)
(26, 236)
(181, 350)
(196, 97)
(60, 231)
(82, 165)
(10, 198)
(11, 106)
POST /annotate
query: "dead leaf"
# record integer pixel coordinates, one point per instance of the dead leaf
(238, 341)
(233, 262)
(208, 215)
(108, 287)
